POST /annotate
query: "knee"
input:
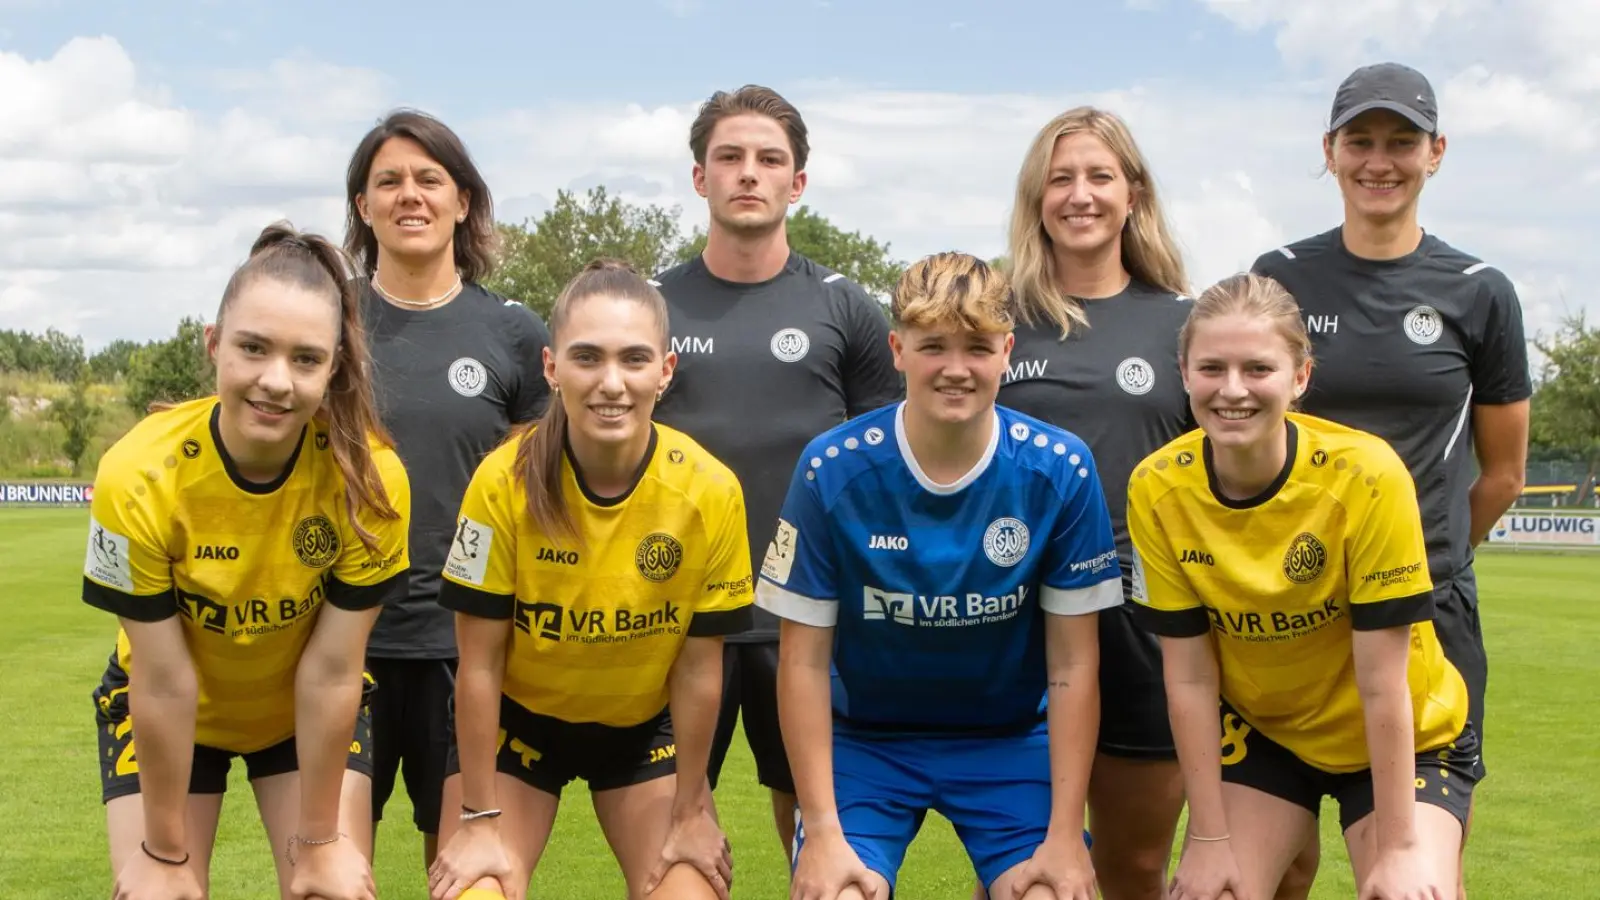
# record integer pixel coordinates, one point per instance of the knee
(1131, 873)
(1296, 882)
(486, 888)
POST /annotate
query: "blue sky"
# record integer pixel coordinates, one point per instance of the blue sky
(143, 144)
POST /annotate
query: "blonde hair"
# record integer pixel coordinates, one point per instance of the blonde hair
(1253, 297)
(1149, 252)
(953, 290)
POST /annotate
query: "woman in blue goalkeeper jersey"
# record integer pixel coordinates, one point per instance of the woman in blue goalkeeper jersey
(939, 565)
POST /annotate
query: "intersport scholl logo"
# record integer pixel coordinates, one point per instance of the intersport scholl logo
(941, 610)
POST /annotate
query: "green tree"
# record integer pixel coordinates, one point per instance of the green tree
(77, 417)
(541, 256)
(858, 257)
(112, 361)
(172, 370)
(64, 358)
(1565, 413)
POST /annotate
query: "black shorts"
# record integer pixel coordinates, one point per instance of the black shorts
(1133, 694)
(750, 684)
(1445, 776)
(1460, 631)
(545, 752)
(411, 732)
(208, 774)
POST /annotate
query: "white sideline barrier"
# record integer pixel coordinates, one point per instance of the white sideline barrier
(1546, 528)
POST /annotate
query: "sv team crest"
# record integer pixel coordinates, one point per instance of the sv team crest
(468, 377)
(790, 345)
(1305, 559)
(1135, 376)
(1423, 325)
(1005, 541)
(658, 556)
(316, 542)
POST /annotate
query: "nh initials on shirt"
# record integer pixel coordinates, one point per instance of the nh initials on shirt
(1322, 324)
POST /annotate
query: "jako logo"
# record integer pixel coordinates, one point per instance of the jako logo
(888, 542)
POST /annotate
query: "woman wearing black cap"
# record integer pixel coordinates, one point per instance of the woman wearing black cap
(1415, 341)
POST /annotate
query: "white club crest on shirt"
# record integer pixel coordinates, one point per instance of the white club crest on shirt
(790, 345)
(468, 377)
(1423, 325)
(873, 436)
(1005, 541)
(1135, 376)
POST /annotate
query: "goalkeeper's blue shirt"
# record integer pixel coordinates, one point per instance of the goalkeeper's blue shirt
(937, 593)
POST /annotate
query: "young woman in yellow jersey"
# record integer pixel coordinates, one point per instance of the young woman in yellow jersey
(246, 542)
(598, 560)
(1280, 557)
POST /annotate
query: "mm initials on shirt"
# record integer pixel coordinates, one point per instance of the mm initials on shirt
(690, 344)
(940, 610)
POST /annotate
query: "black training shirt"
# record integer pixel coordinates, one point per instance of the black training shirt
(1404, 349)
(765, 367)
(449, 383)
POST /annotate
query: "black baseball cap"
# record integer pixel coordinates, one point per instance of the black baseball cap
(1390, 86)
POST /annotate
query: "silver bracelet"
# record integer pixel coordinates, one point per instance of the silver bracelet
(468, 814)
(288, 851)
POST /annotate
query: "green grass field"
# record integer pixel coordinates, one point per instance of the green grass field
(1535, 835)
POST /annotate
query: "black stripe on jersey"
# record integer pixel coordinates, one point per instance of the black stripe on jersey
(720, 622)
(1392, 613)
(251, 487)
(474, 602)
(146, 608)
(1268, 492)
(638, 475)
(356, 598)
(1177, 623)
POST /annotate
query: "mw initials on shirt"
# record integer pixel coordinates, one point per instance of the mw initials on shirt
(1026, 369)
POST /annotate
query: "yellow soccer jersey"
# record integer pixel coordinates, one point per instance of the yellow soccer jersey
(597, 627)
(1280, 580)
(173, 530)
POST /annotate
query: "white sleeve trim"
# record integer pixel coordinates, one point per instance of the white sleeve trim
(1082, 601)
(786, 604)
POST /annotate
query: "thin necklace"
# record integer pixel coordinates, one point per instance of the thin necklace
(417, 304)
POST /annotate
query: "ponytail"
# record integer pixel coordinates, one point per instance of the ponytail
(349, 413)
(542, 445)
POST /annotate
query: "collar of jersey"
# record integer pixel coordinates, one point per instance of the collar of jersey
(239, 481)
(1270, 490)
(928, 484)
(638, 475)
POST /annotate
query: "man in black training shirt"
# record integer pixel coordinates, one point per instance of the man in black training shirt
(773, 349)
(1414, 340)
(454, 367)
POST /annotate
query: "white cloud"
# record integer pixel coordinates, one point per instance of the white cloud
(140, 221)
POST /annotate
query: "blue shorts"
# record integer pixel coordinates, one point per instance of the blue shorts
(994, 790)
